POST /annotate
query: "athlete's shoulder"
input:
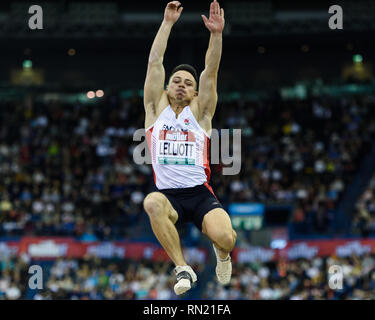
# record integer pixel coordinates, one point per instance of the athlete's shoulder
(152, 114)
(203, 118)
(194, 107)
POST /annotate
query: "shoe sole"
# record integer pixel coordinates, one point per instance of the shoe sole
(182, 286)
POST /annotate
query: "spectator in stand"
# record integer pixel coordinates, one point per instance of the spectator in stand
(92, 278)
(364, 218)
(298, 280)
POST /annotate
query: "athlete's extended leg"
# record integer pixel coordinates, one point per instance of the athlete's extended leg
(218, 227)
(162, 218)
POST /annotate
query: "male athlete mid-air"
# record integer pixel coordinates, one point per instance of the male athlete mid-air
(178, 123)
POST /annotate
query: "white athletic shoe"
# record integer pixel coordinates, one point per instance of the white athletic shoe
(223, 268)
(185, 278)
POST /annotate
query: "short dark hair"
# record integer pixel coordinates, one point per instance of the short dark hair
(188, 68)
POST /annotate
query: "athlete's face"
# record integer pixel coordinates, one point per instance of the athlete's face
(182, 86)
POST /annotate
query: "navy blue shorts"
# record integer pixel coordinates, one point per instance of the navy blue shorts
(192, 204)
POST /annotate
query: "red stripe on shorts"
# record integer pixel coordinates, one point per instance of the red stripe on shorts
(209, 188)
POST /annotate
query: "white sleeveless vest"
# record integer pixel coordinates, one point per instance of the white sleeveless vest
(179, 150)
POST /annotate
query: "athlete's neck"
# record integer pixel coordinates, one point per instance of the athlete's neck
(178, 107)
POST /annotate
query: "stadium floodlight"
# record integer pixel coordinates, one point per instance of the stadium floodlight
(91, 94)
(27, 64)
(99, 93)
(71, 52)
(357, 58)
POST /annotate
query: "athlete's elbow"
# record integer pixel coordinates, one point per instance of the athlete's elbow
(155, 59)
(210, 74)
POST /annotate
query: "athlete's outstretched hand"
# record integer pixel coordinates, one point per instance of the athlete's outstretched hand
(172, 11)
(215, 23)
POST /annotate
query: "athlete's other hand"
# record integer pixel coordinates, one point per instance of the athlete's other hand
(215, 23)
(172, 11)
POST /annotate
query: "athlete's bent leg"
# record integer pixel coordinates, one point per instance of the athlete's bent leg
(163, 217)
(218, 227)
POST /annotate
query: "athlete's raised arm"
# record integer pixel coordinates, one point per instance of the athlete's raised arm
(155, 76)
(207, 94)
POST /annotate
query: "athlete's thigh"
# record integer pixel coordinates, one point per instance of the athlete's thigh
(216, 222)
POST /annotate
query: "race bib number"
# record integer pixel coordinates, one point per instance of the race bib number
(176, 147)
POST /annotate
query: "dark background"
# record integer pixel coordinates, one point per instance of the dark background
(112, 45)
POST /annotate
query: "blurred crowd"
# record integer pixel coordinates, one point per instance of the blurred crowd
(67, 169)
(92, 278)
(364, 218)
(14, 277)
(300, 152)
(302, 279)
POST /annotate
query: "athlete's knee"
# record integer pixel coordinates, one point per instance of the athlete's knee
(234, 238)
(154, 204)
(227, 240)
